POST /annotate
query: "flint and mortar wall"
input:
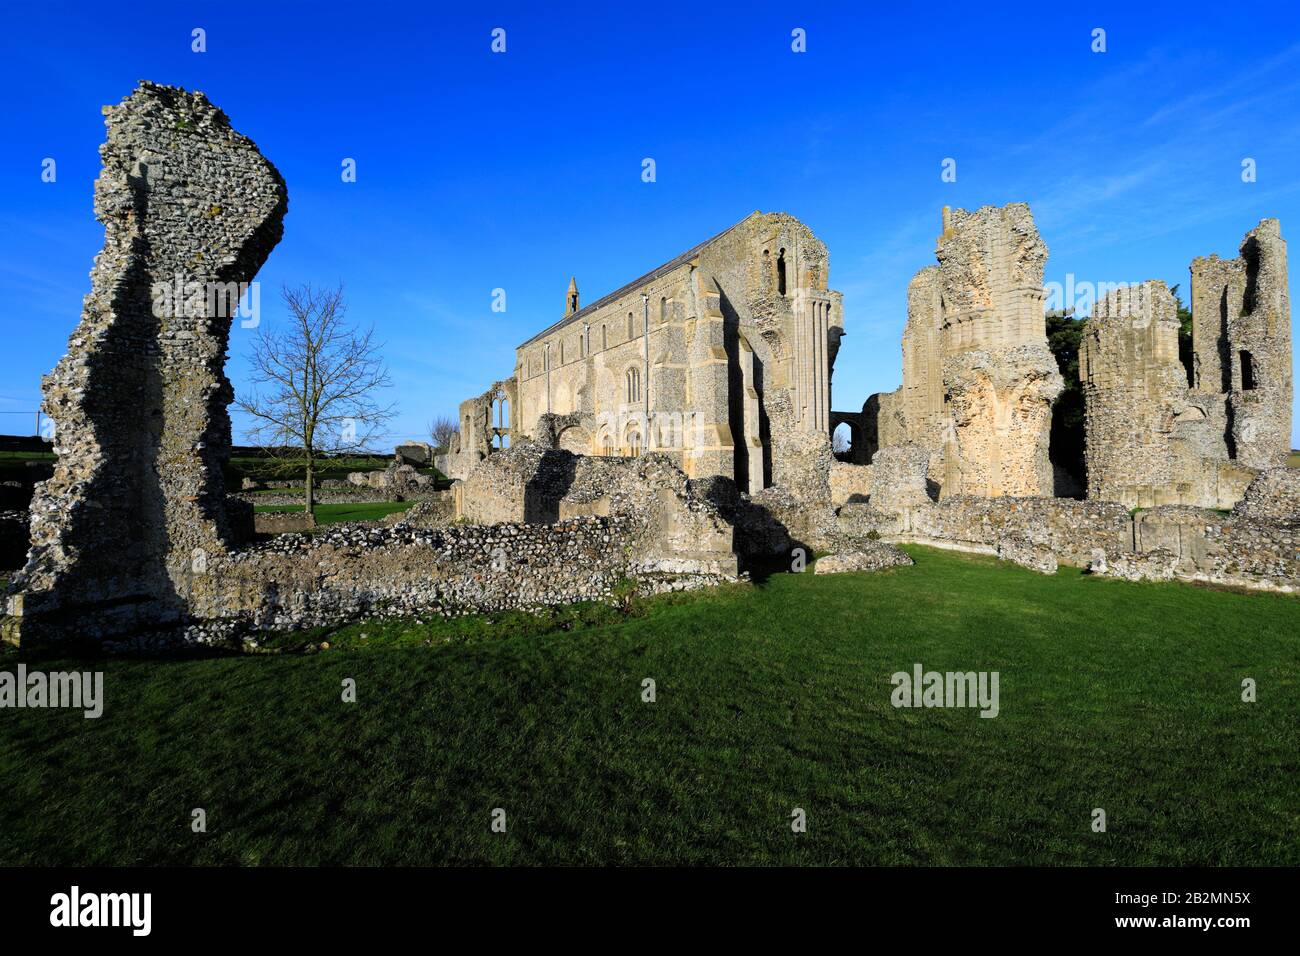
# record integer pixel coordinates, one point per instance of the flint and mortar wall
(341, 574)
(191, 209)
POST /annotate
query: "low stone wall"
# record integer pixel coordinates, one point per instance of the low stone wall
(1256, 546)
(1070, 529)
(436, 511)
(530, 482)
(1201, 545)
(349, 571)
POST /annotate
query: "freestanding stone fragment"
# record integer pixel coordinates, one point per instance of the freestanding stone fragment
(978, 377)
(121, 534)
(1241, 340)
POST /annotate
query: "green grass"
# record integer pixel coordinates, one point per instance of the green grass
(336, 512)
(1294, 460)
(21, 456)
(1114, 695)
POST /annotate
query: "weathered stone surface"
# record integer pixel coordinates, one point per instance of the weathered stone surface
(349, 571)
(1153, 439)
(139, 400)
(532, 483)
(850, 482)
(1241, 336)
(436, 511)
(978, 377)
(720, 358)
(898, 479)
(1150, 440)
(868, 556)
(1028, 553)
(1273, 497)
(418, 453)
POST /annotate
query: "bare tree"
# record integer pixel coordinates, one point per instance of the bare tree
(314, 383)
(441, 431)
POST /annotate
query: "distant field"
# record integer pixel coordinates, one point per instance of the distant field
(1294, 460)
(335, 513)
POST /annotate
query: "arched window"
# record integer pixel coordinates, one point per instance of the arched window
(663, 309)
(630, 332)
(634, 442)
(634, 384)
(780, 273)
(561, 351)
(604, 337)
(606, 445)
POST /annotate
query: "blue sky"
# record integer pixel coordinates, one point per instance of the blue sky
(478, 171)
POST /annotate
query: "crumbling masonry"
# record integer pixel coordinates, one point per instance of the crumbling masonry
(137, 499)
(978, 377)
(662, 435)
(1154, 440)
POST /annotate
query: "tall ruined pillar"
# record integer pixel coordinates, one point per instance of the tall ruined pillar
(1260, 352)
(122, 532)
(1135, 390)
(1241, 341)
(999, 376)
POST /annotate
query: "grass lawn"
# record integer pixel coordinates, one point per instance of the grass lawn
(333, 513)
(1114, 695)
(1294, 460)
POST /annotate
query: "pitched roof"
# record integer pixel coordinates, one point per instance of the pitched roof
(650, 276)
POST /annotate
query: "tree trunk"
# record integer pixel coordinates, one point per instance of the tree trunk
(311, 487)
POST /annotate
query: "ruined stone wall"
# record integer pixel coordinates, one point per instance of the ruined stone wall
(850, 482)
(1150, 441)
(732, 347)
(999, 375)
(348, 572)
(1259, 340)
(978, 378)
(1257, 546)
(477, 433)
(137, 499)
(1241, 339)
(532, 483)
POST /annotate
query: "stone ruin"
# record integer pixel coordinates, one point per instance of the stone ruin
(191, 210)
(978, 377)
(1154, 438)
(958, 457)
(135, 529)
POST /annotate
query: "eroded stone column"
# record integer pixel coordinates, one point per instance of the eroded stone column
(121, 534)
(1000, 378)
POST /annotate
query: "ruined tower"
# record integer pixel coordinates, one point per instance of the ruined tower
(1151, 438)
(122, 531)
(1241, 340)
